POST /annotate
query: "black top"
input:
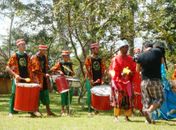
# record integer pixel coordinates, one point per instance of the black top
(22, 65)
(96, 68)
(64, 66)
(150, 62)
(42, 60)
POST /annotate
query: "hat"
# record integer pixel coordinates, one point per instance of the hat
(65, 52)
(122, 43)
(20, 41)
(43, 47)
(94, 45)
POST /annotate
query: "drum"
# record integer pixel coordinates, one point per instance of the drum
(27, 97)
(62, 84)
(100, 97)
(74, 82)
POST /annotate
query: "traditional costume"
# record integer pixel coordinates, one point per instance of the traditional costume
(66, 67)
(95, 68)
(20, 64)
(122, 85)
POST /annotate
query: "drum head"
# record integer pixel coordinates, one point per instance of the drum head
(27, 85)
(101, 90)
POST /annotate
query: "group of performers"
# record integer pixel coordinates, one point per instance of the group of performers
(125, 80)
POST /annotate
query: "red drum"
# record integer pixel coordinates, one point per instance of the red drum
(100, 97)
(62, 84)
(27, 97)
(74, 82)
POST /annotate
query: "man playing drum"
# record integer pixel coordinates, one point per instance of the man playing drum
(122, 69)
(19, 66)
(65, 67)
(40, 71)
(95, 68)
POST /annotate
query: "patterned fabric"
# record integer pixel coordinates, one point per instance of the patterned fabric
(89, 65)
(13, 64)
(122, 85)
(37, 69)
(152, 92)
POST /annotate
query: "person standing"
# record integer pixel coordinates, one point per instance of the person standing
(149, 63)
(137, 84)
(19, 66)
(95, 69)
(122, 69)
(65, 67)
(40, 72)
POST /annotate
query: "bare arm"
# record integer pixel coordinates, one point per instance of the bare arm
(138, 67)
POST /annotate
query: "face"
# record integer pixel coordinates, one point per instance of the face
(124, 49)
(22, 47)
(66, 58)
(42, 52)
(95, 50)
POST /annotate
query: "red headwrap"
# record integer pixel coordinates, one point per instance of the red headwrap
(94, 45)
(20, 41)
(65, 52)
(43, 47)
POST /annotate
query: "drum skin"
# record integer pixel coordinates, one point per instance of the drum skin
(27, 98)
(62, 84)
(100, 102)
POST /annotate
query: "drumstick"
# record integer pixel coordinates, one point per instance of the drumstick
(67, 68)
(26, 79)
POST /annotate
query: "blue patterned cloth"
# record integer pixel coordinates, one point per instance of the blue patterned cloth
(168, 109)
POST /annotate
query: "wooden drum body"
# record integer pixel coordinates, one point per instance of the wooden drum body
(100, 97)
(27, 97)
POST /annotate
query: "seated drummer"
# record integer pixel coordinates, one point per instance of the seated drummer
(95, 68)
(19, 66)
(65, 67)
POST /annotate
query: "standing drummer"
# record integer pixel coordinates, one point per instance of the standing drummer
(95, 68)
(19, 66)
(65, 67)
(40, 71)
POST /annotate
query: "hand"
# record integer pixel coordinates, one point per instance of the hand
(17, 77)
(47, 75)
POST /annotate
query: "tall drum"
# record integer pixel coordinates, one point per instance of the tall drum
(27, 97)
(100, 97)
(62, 84)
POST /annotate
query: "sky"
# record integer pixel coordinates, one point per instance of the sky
(5, 22)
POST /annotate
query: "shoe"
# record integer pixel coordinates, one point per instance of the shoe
(96, 112)
(148, 117)
(10, 115)
(36, 114)
(51, 114)
(116, 119)
(127, 119)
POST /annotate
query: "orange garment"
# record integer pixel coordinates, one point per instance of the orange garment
(56, 67)
(37, 69)
(88, 64)
(174, 75)
(13, 64)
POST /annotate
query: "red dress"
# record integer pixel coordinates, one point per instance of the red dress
(137, 91)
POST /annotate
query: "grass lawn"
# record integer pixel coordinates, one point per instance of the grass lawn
(79, 119)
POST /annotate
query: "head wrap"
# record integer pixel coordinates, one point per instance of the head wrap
(122, 43)
(20, 41)
(43, 47)
(65, 52)
(94, 45)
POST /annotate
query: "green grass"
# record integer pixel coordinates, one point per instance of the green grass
(79, 120)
